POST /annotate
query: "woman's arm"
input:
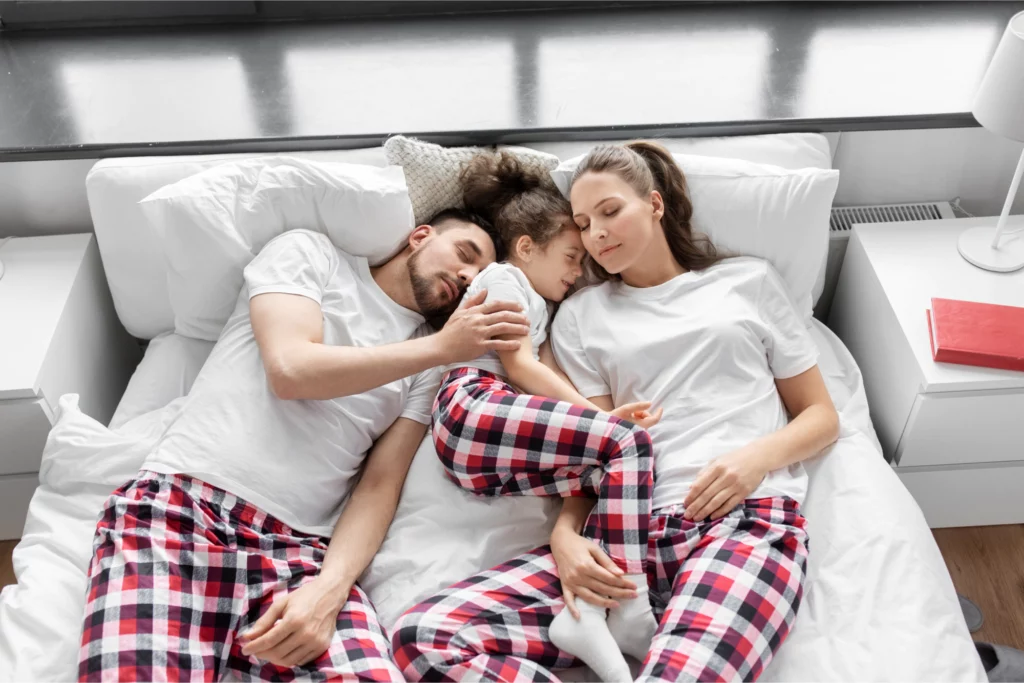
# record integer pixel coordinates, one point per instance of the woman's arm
(725, 482)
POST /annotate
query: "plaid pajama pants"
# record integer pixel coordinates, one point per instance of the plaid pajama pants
(494, 441)
(725, 593)
(180, 568)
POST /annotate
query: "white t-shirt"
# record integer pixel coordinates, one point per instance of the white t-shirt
(294, 459)
(505, 282)
(707, 347)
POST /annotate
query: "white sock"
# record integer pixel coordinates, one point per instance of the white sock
(590, 640)
(632, 623)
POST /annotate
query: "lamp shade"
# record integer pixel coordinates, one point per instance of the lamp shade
(999, 104)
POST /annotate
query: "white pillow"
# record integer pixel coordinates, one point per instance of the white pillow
(442, 534)
(788, 150)
(213, 223)
(432, 171)
(167, 371)
(750, 209)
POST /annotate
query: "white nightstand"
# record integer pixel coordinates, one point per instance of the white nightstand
(58, 334)
(953, 433)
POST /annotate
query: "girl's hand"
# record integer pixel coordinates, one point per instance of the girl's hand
(587, 572)
(639, 414)
(724, 483)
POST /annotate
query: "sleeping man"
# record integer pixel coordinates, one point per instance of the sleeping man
(215, 559)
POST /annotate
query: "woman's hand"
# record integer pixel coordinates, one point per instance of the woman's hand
(587, 572)
(724, 483)
(638, 413)
(298, 627)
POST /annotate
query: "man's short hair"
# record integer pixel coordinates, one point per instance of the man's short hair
(448, 217)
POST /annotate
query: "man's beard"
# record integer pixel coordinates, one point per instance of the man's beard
(431, 308)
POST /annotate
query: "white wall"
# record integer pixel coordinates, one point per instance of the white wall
(878, 167)
(44, 197)
(893, 167)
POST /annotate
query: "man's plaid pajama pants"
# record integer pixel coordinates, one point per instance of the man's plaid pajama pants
(494, 441)
(180, 568)
(725, 592)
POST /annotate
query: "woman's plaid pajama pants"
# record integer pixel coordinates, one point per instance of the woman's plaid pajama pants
(725, 592)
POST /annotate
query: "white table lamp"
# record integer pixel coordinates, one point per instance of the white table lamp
(999, 107)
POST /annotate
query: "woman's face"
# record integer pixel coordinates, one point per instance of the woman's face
(555, 268)
(616, 224)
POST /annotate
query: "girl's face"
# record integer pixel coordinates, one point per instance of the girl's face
(616, 224)
(552, 270)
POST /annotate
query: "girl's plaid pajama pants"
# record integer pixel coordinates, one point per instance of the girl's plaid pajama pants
(180, 568)
(494, 441)
(725, 592)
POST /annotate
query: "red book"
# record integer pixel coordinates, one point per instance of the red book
(972, 333)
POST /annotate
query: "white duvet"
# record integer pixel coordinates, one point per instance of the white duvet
(878, 605)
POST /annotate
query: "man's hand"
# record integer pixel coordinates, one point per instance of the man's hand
(724, 483)
(298, 627)
(586, 572)
(475, 329)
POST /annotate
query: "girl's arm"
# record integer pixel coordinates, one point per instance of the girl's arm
(535, 377)
(725, 482)
(547, 357)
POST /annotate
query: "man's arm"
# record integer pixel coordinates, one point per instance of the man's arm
(289, 332)
(299, 626)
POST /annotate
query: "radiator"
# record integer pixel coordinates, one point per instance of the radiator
(841, 222)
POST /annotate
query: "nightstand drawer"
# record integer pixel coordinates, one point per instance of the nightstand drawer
(963, 427)
(24, 426)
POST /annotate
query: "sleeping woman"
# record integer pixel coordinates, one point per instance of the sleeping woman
(718, 345)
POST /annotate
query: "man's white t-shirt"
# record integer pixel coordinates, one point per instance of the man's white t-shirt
(707, 347)
(294, 459)
(505, 282)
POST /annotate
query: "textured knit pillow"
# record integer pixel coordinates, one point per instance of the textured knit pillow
(432, 171)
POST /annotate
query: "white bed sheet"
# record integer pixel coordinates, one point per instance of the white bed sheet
(879, 603)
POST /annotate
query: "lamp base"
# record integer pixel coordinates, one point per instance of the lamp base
(975, 245)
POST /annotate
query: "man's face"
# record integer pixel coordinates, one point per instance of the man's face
(444, 262)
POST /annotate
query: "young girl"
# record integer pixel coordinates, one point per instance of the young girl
(508, 424)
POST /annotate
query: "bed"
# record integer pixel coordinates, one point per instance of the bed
(879, 603)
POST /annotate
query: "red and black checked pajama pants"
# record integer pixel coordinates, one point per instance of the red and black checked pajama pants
(180, 568)
(494, 441)
(725, 593)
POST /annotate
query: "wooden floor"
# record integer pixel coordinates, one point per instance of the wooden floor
(986, 563)
(6, 570)
(987, 566)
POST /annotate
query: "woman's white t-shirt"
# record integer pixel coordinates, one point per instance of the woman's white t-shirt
(706, 346)
(505, 282)
(296, 460)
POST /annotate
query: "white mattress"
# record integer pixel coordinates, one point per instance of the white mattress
(879, 603)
